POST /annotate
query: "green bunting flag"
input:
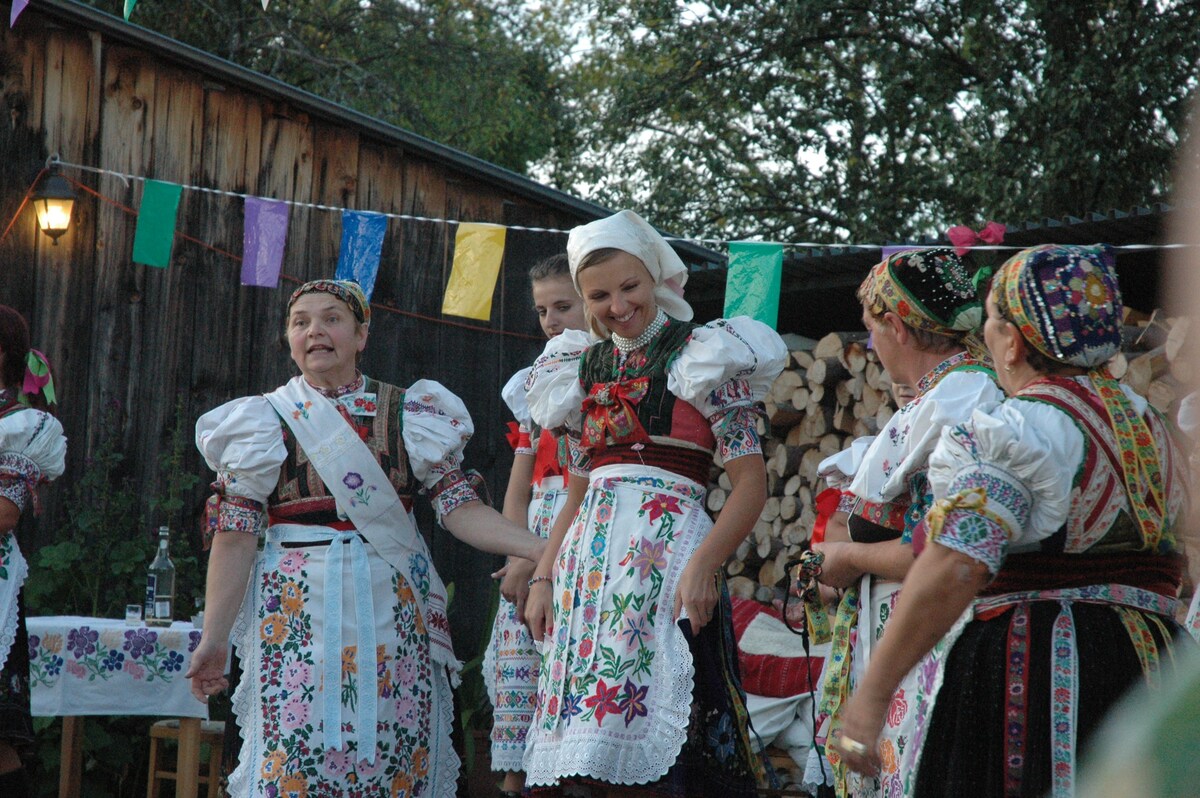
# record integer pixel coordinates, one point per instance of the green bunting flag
(129, 4)
(752, 283)
(155, 232)
(478, 250)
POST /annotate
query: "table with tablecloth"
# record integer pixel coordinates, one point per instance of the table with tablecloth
(96, 666)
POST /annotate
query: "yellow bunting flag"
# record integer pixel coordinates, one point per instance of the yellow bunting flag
(478, 250)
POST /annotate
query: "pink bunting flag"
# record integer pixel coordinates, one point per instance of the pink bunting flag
(263, 239)
(17, 7)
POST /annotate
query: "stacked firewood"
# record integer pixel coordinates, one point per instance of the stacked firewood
(835, 390)
(1158, 360)
(832, 391)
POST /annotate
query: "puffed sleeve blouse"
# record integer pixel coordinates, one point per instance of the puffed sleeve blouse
(243, 441)
(723, 370)
(33, 450)
(902, 447)
(1023, 459)
(513, 395)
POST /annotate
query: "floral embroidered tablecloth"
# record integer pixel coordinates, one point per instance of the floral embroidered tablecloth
(97, 666)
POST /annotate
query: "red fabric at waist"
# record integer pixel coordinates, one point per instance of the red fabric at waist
(545, 462)
(315, 511)
(690, 463)
(1158, 573)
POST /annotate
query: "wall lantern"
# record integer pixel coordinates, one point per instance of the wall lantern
(53, 201)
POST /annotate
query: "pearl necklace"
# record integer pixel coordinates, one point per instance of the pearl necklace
(627, 345)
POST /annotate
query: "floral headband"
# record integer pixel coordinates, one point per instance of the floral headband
(929, 289)
(1065, 301)
(346, 290)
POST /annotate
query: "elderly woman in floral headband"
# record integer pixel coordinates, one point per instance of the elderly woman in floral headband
(343, 631)
(1055, 523)
(923, 312)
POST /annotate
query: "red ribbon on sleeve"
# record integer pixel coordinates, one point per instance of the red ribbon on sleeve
(516, 437)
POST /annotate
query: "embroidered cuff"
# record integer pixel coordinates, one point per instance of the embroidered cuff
(729, 394)
(19, 478)
(451, 492)
(977, 535)
(16, 491)
(736, 432)
(984, 532)
(232, 514)
(846, 502)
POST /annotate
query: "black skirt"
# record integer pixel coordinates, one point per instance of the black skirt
(16, 722)
(964, 748)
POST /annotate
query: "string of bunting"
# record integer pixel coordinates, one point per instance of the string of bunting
(753, 280)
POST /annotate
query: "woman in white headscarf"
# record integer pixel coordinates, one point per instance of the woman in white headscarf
(638, 687)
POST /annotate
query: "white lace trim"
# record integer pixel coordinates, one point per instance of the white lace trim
(245, 641)
(648, 756)
(638, 761)
(444, 759)
(489, 654)
(10, 588)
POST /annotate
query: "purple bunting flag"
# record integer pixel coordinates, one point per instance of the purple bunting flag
(17, 7)
(887, 252)
(263, 240)
(362, 244)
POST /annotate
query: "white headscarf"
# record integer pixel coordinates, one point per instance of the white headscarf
(628, 232)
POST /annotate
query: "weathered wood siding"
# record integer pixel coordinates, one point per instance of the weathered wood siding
(139, 339)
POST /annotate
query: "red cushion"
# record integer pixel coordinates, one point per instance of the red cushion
(769, 674)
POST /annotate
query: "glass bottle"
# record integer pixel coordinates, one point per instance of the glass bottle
(160, 583)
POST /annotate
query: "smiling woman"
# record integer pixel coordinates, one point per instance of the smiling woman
(638, 687)
(329, 462)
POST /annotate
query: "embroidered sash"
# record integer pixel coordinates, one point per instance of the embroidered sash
(1130, 603)
(363, 492)
(1106, 490)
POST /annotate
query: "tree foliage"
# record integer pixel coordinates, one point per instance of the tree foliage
(817, 119)
(791, 119)
(474, 75)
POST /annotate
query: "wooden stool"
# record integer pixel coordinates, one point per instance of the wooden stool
(211, 732)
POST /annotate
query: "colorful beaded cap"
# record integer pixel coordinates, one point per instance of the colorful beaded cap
(346, 290)
(1065, 300)
(929, 289)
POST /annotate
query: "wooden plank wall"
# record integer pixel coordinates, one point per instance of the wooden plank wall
(129, 342)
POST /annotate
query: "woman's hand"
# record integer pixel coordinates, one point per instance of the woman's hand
(697, 594)
(207, 670)
(514, 583)
(857, 740)
(539, 609)
(839, 568)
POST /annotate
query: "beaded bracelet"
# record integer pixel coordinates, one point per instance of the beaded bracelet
(537, 579)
